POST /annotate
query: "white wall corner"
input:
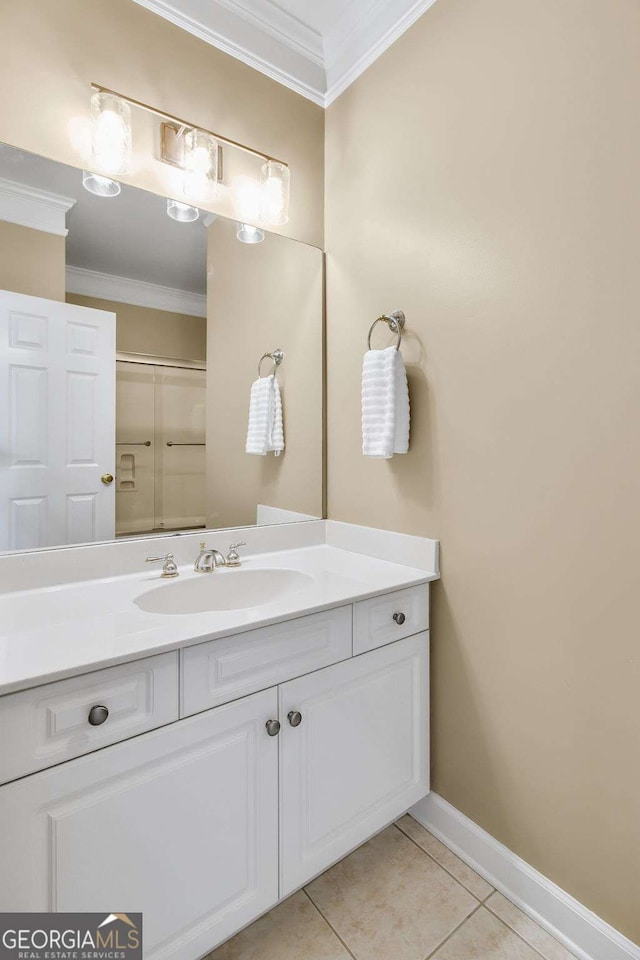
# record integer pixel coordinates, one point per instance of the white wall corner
(579, 929)
(30, 207)
(105, 286)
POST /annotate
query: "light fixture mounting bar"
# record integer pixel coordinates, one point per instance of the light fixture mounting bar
(186, 123)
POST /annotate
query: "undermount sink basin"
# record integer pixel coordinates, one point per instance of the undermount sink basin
(226, 590)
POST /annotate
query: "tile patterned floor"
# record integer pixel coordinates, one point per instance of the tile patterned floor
(401, 896)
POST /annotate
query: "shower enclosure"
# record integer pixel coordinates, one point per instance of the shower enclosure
(160, 445)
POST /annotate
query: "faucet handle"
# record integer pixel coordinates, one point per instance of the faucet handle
(169, 568)
(233, 557)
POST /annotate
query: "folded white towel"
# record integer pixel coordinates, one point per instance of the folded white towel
(385, 404)
(265, 433)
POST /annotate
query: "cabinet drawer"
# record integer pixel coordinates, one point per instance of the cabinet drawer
(374, 623)
(49, 724)
(232, 667)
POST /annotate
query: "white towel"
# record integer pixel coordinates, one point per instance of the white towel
(385, 404)
(265, 433)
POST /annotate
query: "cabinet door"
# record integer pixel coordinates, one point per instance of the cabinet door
(358, 758)
(180, 824)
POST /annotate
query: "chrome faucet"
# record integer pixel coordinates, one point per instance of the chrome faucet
(208, 559)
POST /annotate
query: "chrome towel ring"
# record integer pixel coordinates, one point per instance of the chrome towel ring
(395, 321)
(277, 356)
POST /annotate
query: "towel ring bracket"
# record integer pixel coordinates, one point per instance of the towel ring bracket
(395, 321)
(277, 356)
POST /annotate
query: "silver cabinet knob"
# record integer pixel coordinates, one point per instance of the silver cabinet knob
(98, 715)
(399, 618)
(295, 718)
(273, 727)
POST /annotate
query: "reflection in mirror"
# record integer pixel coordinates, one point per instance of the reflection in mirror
(129, 347)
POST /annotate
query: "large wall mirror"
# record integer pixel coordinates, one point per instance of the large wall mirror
(129, 345)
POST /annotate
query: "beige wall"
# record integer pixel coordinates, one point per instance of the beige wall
(31, 261)
(52, 51)
(157, 333)
(482, 175)
(261, 297)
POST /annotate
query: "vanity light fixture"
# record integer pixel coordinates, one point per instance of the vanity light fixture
(101, 186)
(274, 193)
(248, 234)
(182, 212)
(110, 134)
(200, 165)
(194, 150)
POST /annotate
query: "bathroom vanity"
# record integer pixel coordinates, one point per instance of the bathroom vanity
(200, 766)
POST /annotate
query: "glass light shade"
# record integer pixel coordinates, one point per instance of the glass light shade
(101, 186)
(245, 194)
(110, 134)
(274, 193)
(248, 234)
(182, 212)
(200, 165)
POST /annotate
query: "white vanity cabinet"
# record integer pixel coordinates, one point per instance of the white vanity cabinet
(207, 821)
(356, 756)
(181, 824)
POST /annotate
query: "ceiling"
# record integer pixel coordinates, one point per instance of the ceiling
(129, 236)
(315, 47)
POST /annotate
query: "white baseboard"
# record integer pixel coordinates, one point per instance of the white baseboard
(580, 930)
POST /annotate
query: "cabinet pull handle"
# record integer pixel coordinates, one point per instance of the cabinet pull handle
(295, 718)
(399, 618)
(98, 715)
(273, 727)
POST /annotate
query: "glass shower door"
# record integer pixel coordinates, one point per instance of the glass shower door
(180, 452)
(135, 448)
(160, 448)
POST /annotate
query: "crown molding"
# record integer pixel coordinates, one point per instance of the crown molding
(280, 47)
(271, 40)
(105, 286)
(359, 44)
(30, 207)
(281, 25)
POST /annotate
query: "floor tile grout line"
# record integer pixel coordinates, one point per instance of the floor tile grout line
(520, 937)
(454, 931)
(446, 870)
(328, 922)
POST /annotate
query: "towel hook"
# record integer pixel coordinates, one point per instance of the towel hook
(395, 321)
(277, 356)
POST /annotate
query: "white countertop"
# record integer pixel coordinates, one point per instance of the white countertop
(55, 632)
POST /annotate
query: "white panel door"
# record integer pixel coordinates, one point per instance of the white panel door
(358, 758)
(57, 422)
(181, 824)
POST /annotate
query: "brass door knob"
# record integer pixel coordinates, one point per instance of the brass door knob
(107, 478)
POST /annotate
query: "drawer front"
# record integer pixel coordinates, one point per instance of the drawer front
(391, 617)
(49, 724)
(232, 667)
